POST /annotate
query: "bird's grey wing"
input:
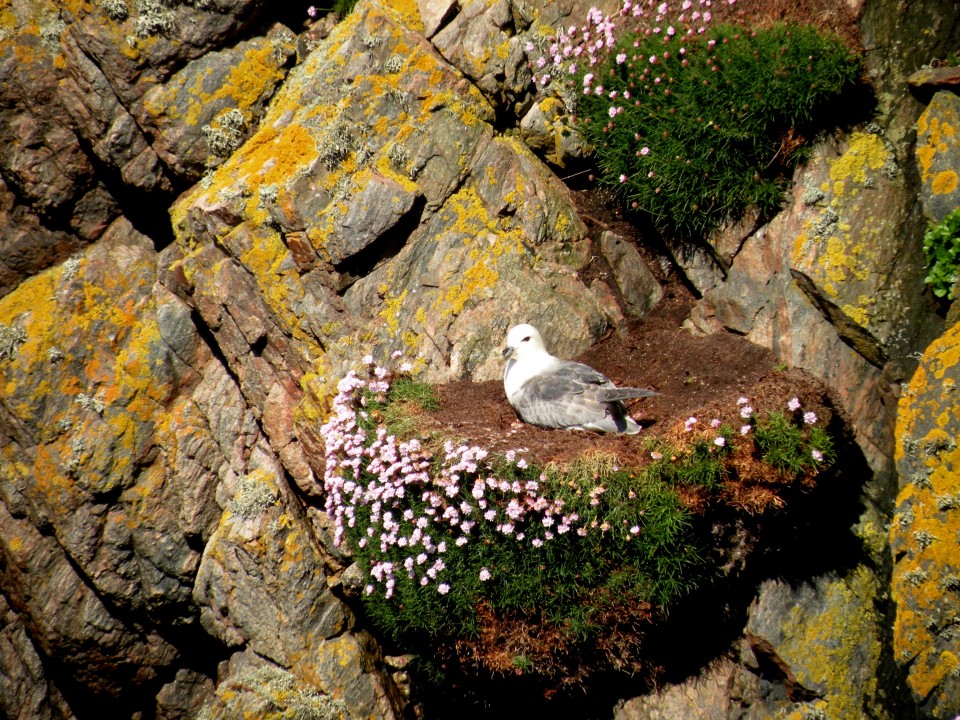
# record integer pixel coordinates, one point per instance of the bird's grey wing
(606, 390)
(558, 401)
(580, 373)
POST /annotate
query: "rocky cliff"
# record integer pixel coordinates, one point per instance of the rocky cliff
(209, 212)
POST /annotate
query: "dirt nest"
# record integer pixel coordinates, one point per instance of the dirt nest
(701, 376)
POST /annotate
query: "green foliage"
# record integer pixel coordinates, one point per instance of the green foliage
(343, 7)
(941, 243)
(699, 137)
(455, 542)
(789, 448)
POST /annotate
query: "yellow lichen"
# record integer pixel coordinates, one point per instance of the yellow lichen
(944, 182)
(865, 151)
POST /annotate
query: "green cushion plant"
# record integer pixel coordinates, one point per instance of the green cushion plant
(695, 123)
(455, 543)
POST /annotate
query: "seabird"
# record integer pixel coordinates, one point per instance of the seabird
(554, 393)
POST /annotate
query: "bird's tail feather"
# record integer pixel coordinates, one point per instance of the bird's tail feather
(626, 393)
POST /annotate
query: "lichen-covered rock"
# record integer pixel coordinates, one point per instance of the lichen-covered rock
(482, 40)
(938, 155)
(841, 269)
(261, 583)
(250, 686)
(925, 533)
(205, 111)
(376, 208)
(708, 697)
(823, 640)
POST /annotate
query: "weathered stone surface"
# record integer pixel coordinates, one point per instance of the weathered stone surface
(205, 111)
(250, 686)
(546, 129)
(938, 155)
(138, 48)
(470, 227)
(824, 639)
(185, 696)
(261, 582)
(66, 618)
(937, 77)
(40, 156)
(100, 118)
(26, 691)
(638, 286)
(839, 270)
(925, 533)
(481, 41)
(705, 698)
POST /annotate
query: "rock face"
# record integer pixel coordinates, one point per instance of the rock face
(925, 534)
(161, 383)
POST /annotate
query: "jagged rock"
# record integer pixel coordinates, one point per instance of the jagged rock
(376, 118)
(937, 77)
(144, 43)
(26, 246)
(185, 696)
(481, 40)
(26, 691)
(249, 686)
(706, 698)
(938, 155)
(261, 583)
(638, 286)
(205, 111)
(67, 620)
(41, 157)
(819, 641)
(99, 117)
(925, 532)
(839, 270)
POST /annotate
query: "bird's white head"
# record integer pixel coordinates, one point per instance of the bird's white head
(523, 341)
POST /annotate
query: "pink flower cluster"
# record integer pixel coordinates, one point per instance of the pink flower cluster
(406, 508)
(576, 47)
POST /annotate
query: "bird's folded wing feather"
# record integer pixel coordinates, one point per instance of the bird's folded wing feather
(555, 400)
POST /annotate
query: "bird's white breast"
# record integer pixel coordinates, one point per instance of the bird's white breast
(519, 370)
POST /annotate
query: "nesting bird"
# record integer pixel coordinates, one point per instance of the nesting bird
(554, 393)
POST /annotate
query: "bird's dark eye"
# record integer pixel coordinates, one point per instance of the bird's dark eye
(526, 339)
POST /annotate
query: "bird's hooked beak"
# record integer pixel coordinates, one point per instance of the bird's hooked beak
(508, 352)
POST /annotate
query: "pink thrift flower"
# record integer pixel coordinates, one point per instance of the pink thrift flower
(715, 423)
(484, 574)
(794, 404)
(621, 58)
(644, 150)
(810, 418)
(745, 429)
(746, 411)
(720, 441)
(817, 455)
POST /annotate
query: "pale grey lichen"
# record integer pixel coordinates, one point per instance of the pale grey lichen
(393, 64)
(924, 539)
(336, 145)
(225, 133)
(398, 155)
(253, 497)
(116, 10)
(154, 17)
(11, 338)
(95, 403)
(280, 689)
